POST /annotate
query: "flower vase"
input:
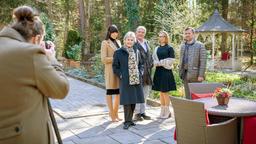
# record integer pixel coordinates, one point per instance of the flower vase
(223, 100)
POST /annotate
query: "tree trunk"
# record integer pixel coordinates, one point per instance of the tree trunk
(66, 26)
(82, 24)
(86, 50)
(225, 16)
(149, 22)
(245, 15)
(132, 13)
(135, 22)
(251, 30)
(82, 17)
(1, 26)
(107, 13)
(49, 4)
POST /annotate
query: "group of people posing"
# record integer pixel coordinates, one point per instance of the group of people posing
(128, 71)
(30, 74)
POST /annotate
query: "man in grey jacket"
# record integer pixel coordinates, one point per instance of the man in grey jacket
(192, 60)
(144, 49)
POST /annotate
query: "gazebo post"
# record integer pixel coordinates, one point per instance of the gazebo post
(242, 45)
(213, 45)
(196, 36)
(233, 51)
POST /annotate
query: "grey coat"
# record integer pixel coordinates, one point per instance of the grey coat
(129, 94)
(147, 63)
(196, 61)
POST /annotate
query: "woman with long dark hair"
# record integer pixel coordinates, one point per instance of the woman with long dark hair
(108, 47)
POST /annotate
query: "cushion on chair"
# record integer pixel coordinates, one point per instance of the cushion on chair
(207, 123)
(225, 56)
(203, 95)
(249, 130)
(207, 117)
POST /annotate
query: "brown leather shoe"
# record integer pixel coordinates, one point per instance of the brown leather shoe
(145, 117)
(138, 117)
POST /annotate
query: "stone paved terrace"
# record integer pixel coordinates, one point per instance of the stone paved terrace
(82, 119)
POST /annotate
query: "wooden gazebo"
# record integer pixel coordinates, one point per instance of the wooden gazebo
(217, 24)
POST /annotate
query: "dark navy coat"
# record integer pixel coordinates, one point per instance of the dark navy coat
(129, 94)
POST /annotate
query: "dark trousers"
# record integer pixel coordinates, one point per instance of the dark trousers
(186, 88)
(128, 112)
(187, 91)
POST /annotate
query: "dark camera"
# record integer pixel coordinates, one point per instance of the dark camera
(47, 45)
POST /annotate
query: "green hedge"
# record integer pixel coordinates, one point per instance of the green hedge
(50, 33)
(73, 45)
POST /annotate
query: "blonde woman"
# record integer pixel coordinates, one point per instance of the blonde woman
(128, 67)
(163, 80)
(108, 47)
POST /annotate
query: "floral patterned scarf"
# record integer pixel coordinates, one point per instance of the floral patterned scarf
(134, 77)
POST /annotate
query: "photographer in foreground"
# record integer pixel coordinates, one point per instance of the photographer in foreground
(29, 75)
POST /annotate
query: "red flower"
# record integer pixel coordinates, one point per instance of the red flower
(222, 92)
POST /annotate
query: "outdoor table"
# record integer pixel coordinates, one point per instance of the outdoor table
(236, 107)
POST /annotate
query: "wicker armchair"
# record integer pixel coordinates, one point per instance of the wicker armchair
(191, 125)
(201, 88)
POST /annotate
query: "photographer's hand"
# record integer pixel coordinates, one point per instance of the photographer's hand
(49, 48)
(50, 52)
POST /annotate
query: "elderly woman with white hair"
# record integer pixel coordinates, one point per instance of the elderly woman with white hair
(128, 67)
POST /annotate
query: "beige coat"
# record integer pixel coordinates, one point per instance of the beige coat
(27, 78)
(107, 51)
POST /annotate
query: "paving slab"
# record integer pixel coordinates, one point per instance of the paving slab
(97, 140)
(96, 120)
(169, 140)
(82, 100)
(83, 119)
(93, 131)
(68, 142)
(68, 136)
(152, 142)
(72, 124)
(127, 137)
(154, 133)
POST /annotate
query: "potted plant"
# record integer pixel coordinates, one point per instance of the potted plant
(72, 49)
(74, 55)
(222, 95)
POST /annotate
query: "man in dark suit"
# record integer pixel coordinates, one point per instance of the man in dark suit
(143, 46)
(192, 60)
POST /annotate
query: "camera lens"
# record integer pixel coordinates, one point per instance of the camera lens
(47, 46)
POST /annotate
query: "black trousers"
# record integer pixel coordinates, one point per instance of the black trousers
(128, 112)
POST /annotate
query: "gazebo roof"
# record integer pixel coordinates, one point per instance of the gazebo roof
(217, 23)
